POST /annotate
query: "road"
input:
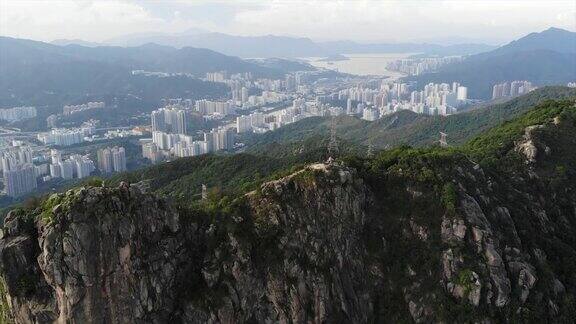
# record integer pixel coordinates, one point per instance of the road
(28, 134)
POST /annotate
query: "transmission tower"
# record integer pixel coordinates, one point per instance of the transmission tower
(443, 141)
(204, 192)
(370, 153)
(333, 144)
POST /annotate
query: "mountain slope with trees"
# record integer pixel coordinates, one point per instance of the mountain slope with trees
(37, 73)
(481, 233)
(408, 128)
(546, 58)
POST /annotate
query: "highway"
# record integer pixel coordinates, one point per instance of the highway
(28, 134)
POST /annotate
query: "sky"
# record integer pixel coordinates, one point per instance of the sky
(489, 21)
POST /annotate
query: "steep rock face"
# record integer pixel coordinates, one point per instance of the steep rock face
(301, 256)
(329, 244)
(100, 255)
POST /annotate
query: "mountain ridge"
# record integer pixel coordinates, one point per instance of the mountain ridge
(267, 46)
(409, 128)
(33, 73)
(410, 235)
(545, 58)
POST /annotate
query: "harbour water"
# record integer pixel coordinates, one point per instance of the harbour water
(362, 64)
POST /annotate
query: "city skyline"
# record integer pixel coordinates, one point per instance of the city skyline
(445, 22)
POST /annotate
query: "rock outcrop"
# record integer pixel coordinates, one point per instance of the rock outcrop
(96, 255)
(327, 244)
(322, 245)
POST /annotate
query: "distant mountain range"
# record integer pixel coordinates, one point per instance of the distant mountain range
(544, 58)
(281, 46)
(152, 57)
(34, 72)
(64, 42)
(552, 39)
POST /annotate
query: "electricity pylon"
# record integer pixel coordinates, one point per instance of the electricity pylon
(443, 141)
(333, 149)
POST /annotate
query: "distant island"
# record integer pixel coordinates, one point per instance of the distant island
(334, 58)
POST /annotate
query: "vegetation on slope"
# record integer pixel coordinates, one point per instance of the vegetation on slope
(41, 73)
(227, 175)
(542, 67)
(496, 142)
(231, 175)
(408, 128)
(418, 186)
(543, 58)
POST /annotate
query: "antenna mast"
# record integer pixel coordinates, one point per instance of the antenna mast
(370, 153)
(333, 144)
(443, 141)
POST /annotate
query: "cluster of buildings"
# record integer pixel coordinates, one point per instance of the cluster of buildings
(249, 123)
(160, 74)
(81, 166)
(220, 76)
(171, 119)
(267, 97)
(168, 124)
(259, 122)
(164, 145)
(417, 66)
(209, 107)
(511, 89)
(369, 102)
(17, 113)
(166, 141)
(374, 102)
(119, 133)
(72, 109)
(438, 99)
(23, 168)
(75, 167)
(112, 159)
(152, 152)
(66, 136)
(169, 135)
(52, 121)
(248, 92)
(18, 172)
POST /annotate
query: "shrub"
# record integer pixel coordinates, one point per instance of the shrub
(449, 197)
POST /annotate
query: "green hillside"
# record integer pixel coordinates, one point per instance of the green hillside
(37, 73)
(408, 128)
(231, 175)
(402, 228)
(224, 175)
(545, 58)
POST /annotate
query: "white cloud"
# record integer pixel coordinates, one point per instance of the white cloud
(363, 20)
(92, 20)
(400, 20)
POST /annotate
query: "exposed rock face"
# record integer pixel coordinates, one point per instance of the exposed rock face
(111, 256)
(528, 146)
(323, 245)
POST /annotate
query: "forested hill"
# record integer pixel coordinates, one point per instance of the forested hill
(484, 233)
(545, 58)
(406, 127)
(278, 152)
(37, 73)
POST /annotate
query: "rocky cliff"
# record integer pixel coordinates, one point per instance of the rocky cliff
(409, 236)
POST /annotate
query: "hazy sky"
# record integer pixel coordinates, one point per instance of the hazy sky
(361, 20)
